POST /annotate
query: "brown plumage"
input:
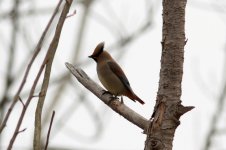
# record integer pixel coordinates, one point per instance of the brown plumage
(111, 75)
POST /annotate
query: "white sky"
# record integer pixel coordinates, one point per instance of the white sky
(205, 31)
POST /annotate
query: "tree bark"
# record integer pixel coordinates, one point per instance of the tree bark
(168, 108)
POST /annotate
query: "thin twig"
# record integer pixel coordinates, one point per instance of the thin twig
(46, 59)
(50, 126)
(22, 130)
(36, 52)
(75, 55)
(49, 60)
(26, 105)
(21, 101)
(74, 12)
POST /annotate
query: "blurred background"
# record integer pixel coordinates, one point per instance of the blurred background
(132, 31)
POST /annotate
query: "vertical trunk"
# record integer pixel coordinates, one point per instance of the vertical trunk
(168, 108)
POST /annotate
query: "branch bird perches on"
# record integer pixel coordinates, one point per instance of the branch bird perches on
(115, 105)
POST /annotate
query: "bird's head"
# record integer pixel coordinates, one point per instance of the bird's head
(97, 51)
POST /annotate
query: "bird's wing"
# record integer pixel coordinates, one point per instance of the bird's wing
(119, 73)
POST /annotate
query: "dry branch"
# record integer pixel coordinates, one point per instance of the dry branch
(75, 55)
(48, 62)
(116, 105)
(36, 52)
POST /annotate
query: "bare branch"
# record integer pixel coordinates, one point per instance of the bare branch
(50, 126)
(116, 105)
(48, 60)
(75, 55)
(36, 52)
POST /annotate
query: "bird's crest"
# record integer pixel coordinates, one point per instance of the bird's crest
(98, 50)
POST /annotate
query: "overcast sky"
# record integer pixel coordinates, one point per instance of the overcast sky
(202, 80)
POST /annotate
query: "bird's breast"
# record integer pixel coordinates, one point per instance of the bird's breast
(110, 80)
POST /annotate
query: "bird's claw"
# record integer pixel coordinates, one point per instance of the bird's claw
(112, 98)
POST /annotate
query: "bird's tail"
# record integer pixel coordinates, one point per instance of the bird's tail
(134, 97)
(138, 99)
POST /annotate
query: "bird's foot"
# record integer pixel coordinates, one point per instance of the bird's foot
(112, 98)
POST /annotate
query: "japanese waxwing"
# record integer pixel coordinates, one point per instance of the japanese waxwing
(111, 75)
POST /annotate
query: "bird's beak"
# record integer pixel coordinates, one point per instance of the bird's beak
(93, 57)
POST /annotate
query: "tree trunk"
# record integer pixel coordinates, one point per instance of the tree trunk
(168, 108)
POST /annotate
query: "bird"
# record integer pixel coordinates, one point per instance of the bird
(111, 74)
